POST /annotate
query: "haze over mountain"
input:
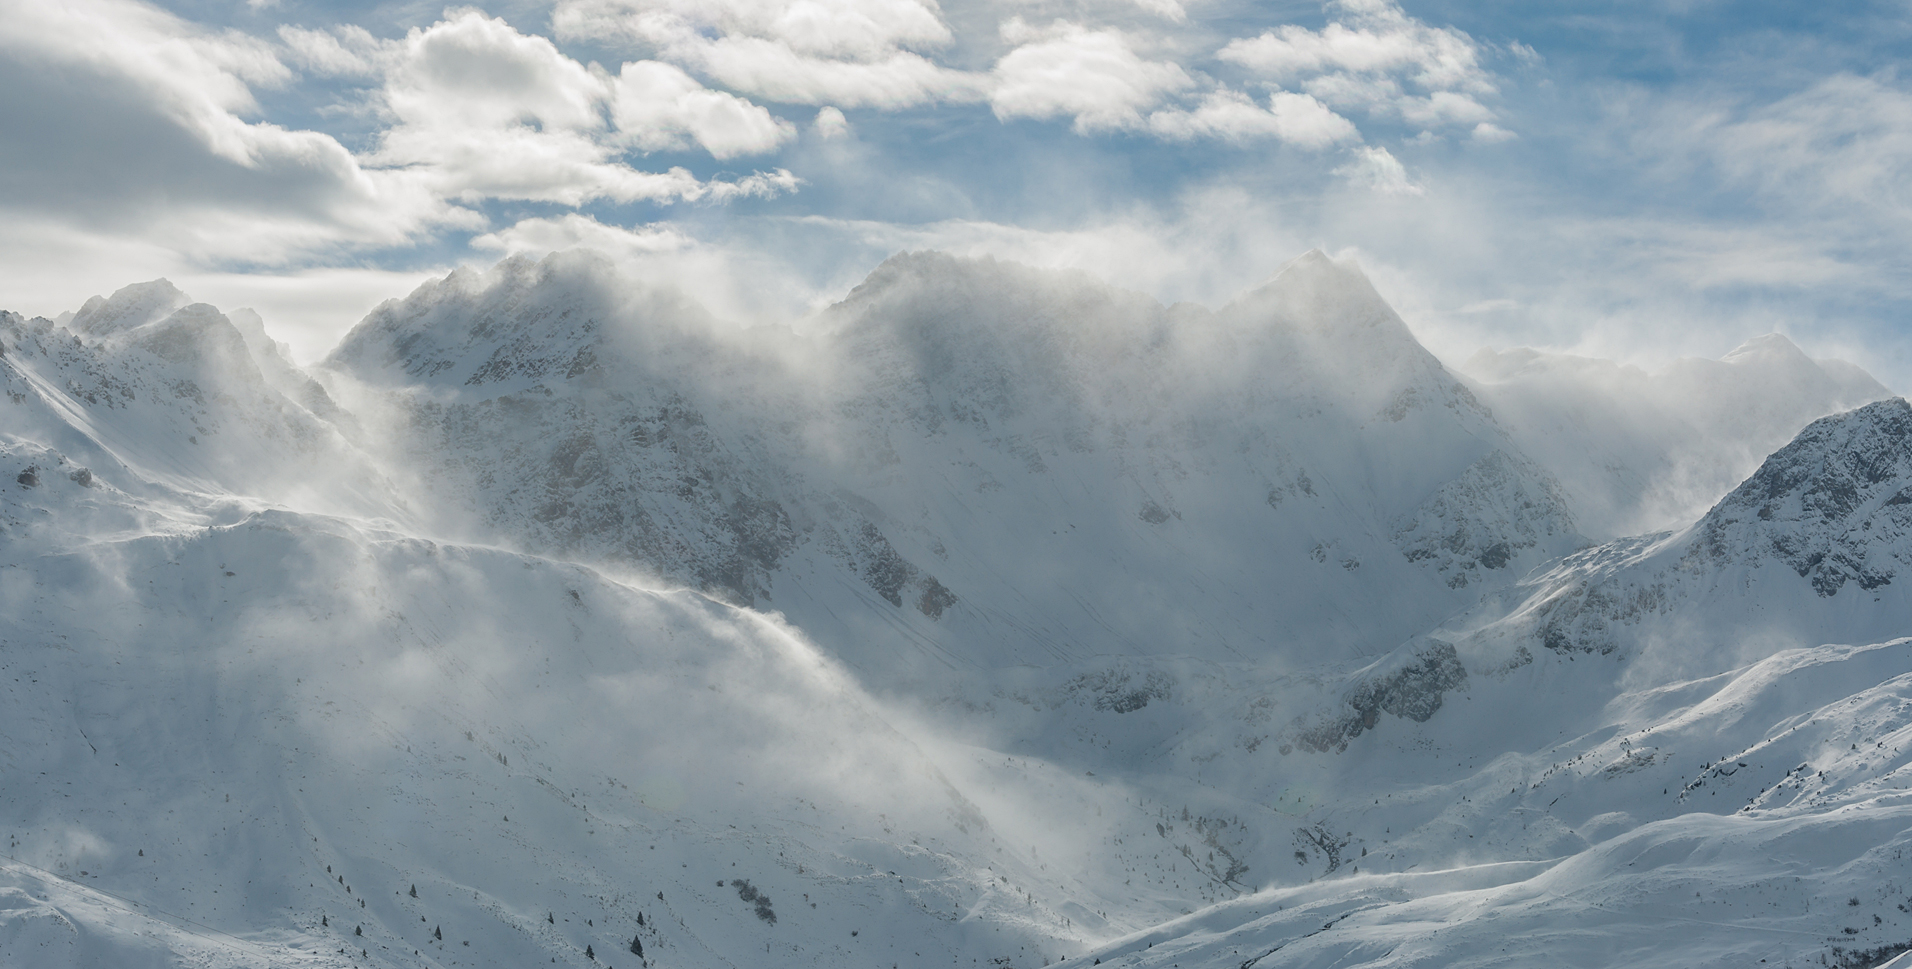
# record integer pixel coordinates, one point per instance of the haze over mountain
(990, 616)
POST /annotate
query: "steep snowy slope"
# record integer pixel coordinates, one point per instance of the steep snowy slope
(1664, 838)
(483, 758)
(1641, 452)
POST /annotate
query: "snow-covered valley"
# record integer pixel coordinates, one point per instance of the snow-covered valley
(992, 616)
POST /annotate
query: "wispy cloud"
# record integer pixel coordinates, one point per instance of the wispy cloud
(1379, 60)
(849, 53)
(1379, 170)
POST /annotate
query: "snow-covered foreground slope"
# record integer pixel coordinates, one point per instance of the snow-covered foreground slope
(1759, 816)
(1636, 754)
(248, 735)
(994, 618)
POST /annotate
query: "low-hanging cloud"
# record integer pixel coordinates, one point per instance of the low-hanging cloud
(574, 230)
(1377, 168)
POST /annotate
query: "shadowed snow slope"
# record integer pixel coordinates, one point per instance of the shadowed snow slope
(222, 704)
(991, 616)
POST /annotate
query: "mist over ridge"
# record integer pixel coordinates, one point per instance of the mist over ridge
(990, 614)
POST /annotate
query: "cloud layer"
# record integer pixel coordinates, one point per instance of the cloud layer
(471, 111)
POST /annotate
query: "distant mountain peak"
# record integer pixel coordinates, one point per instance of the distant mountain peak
(128, 308)
(1317, 287)
(521, 322)
(1768, 346)
(910, 287)
(1332, 303)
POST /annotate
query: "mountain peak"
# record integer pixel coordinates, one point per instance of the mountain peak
(1313, 257)
(1832, 504)
(129, 307)
(522, 321)
(926, 280)
(1768, 346)
(1315, 280)
(1318, 294)
(1322, 314)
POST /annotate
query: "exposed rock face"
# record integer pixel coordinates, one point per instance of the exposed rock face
(1500, 511)
(1408, 683)
(1120, 690)
(569, 412)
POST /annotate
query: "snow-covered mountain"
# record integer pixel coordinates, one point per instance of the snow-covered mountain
(991, 616)
(1807, 547)
(1021, 465)
(148, 387)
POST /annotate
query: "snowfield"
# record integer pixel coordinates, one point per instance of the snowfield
(992, 617)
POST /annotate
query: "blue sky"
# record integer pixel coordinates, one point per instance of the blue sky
(1632, 180)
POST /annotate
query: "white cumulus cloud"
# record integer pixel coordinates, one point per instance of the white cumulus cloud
(1376, 59)
(132, 122)
(345, 51)
(660, 107)
(126, 118)
(831, 123)
(850, 53)
(1297, 119)
(1092, 76)
(485, 111)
